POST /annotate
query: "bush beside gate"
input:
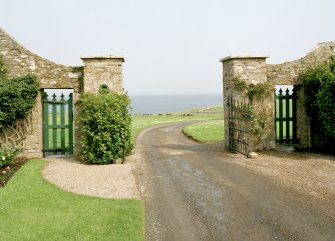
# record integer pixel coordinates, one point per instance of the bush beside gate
(105, 127)
(319, 87)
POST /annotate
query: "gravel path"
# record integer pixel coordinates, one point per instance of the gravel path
(107, 181)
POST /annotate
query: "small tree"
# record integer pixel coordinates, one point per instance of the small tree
(105, 126)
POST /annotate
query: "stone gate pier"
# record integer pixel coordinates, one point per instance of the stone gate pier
(253, 70)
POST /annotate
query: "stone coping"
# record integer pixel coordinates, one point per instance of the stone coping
(233, 56)
(103, 57)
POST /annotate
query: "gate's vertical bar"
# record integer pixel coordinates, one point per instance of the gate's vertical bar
(280, 100)
(229, 125)
(294, 113)
(45, 123)
(233, 124)
(287, 97)
(54, 123)
(62, 123)
(276, 116)
(238, 124)
(248, 125)
(70, 113)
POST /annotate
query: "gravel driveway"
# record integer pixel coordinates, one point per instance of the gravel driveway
(200, 192)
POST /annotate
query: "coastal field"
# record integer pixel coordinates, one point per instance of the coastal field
(141, 122)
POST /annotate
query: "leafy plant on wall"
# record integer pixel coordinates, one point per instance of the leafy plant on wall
(260, 119)
(17, 98)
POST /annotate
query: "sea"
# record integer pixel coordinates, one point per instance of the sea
(159, 104)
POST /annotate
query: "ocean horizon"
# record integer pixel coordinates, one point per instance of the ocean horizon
(169, 103)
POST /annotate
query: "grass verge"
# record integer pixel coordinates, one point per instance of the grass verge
(33, 209)
(208, 131)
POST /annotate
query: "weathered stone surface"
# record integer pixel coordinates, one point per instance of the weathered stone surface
(253, 69)
(97, 70)
(103, 70)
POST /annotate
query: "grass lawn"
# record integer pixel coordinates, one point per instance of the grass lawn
(140, 122)
(208, 131)
(34, 209)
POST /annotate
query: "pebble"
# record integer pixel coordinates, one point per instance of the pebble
(252, 154)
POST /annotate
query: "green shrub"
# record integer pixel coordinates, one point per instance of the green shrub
(105, 126)
(319, 87)
(6, 157)
(17, 97)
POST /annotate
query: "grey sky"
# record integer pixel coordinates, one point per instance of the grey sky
(170, 46)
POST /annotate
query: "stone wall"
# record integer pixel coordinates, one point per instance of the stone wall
(288, 72)
(253, 69)
(97, 70)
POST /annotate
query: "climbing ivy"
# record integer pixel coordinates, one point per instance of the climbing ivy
(17, 96)
(260, 119)
(239, 83)
(253, 90)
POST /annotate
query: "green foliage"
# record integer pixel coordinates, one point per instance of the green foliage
(103, 89)
(251, 90)
(260, 119)
(6, 157)
(3, 70)
(259, 90)
(319, 87)
(239, 83)
(105, 122)
(260, 122)
(17, 96)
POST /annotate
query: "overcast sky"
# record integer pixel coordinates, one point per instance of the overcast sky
(170, 46)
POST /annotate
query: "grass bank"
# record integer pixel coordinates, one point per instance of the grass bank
(208, 131)
(34, 209)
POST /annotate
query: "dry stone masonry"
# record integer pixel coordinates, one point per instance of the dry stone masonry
(255, 70)
(97, 70)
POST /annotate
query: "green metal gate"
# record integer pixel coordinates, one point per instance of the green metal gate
(57, 124)
(285, 117)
